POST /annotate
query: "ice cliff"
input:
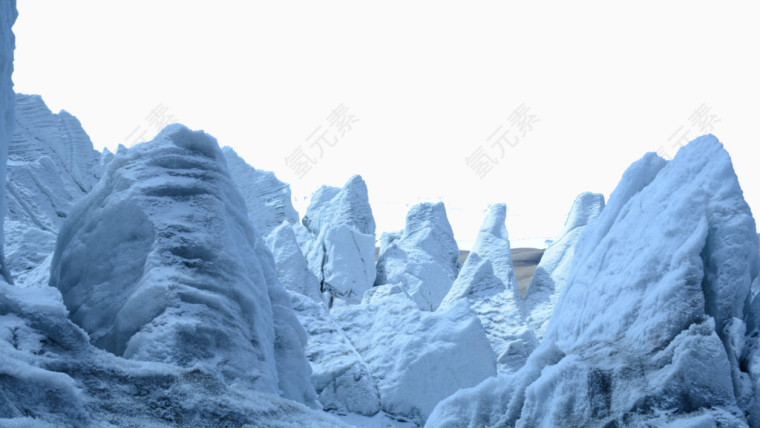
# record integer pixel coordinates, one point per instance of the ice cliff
(551, 274)
(160, 263)
(651, 326)
(51, 165)
(8, 16)
(424, 259)
(488, 284)
(341, 249)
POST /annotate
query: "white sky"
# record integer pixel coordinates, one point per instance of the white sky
(429, 82)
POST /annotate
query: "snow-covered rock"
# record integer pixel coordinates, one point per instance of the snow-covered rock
(488, 284)
(159, 262)
(551, 273)
(416, 357)
(8, 16)
(341, 251)
(642, 334)
(51, 165)
(425, 259)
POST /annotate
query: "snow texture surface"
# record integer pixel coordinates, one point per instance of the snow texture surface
(488, 284)
(51, 165)
(424, 260)
(551, 274)
(649, 326)
(341, 250)
(416, 357)
(160, 263)
(8, 16)
(266, 198)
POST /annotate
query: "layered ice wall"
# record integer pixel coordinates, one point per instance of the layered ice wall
(160, 263)
(651, 322)
(8, 16)
(424, 260)
(341, 251)
(551, 274)
(51, 165)
(488, 284)
(267, 199)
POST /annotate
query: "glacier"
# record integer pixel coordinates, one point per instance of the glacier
(425, 356)
(173, 284)
(51, 165)
(646, 330)
(8, 15)
(145, 282)
(341, 248)
(551, 273)
(424, 259)
(488, 284)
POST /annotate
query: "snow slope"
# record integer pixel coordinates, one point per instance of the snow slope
(160, 263)
(51, 165)
(424, 260)
(551, 274)
(488, 284)
(643, 331)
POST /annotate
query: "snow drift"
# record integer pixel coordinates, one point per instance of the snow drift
(651, 322)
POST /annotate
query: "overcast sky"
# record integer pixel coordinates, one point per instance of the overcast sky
(471, 103)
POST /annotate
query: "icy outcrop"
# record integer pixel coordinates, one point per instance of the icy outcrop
(8, 16)
(268, 199)
(649, 325)
(750, 357)
(341, 252)
(51, 165)
(488, 284)
(291, 265)
(52, 376)
(551, 274)
(425, 259)
(340, 376)
(332, 206)
(416, 357)
(160, 263)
